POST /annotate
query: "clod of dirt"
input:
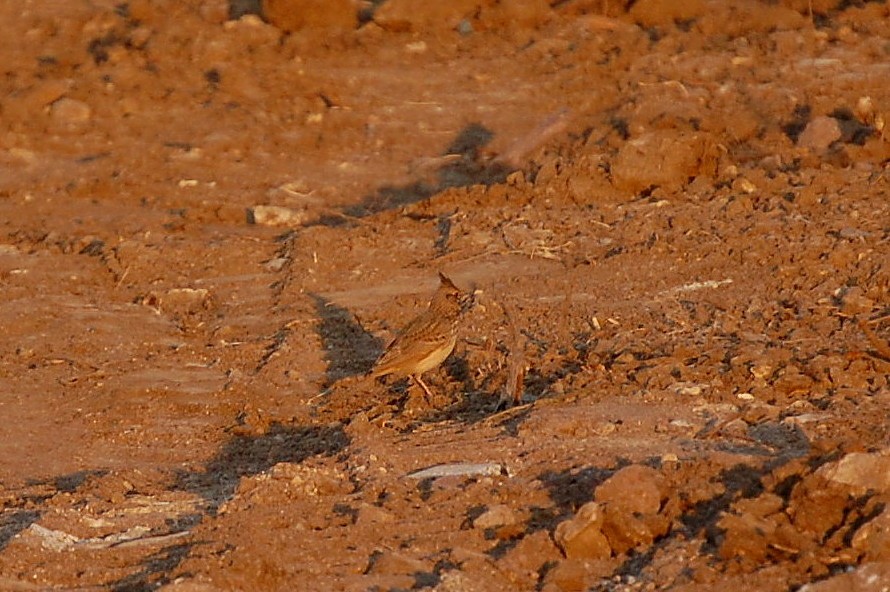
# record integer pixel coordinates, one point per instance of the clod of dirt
(751, 540)
(395, 563)
(582, 537)
(319, 16)
(185, 300)
(406, 15)
(666, 158)
(631, 499)
(496, 515)
(576, 575)
(525, 560)
(861, 472)
(820, 133)
(873, 539)
(635, 489)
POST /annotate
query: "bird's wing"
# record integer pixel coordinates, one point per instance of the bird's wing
(420, 338)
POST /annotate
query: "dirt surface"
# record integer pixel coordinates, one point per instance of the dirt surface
(674, 220)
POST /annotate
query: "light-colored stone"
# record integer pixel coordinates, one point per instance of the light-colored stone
(820, 133)
(871, 577)
(369, 514)
(873, 538)
(185, 300)
(276, 216)
(189, 585)
(496, 515)
(70, 112)
(861, 471)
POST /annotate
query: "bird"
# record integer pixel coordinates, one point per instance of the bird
(427, 340)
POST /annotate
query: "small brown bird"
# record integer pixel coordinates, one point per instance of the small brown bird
(427, 340)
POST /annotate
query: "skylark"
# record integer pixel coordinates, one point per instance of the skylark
(427, 340)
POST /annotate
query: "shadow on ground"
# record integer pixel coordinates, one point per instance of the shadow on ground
(349, 349)
(23, 512)
(241, 456)
(248, 455)
(463, 163)
(154, 570)
(569, 490)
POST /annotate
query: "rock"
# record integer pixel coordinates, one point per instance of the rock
(321, 16)
(185, 300)
(761, 506)
(666, 158)
(288, 481)
(70, 112)
(575, 575)
(455, 580)
(276, 264)
(743, 185)
(369, 514)
(817, 506)
(528, 556)
(392, 563)
(792, 382)
(581, 537)
(49, 91)
(275, 216)
(459, 470)
(633, 489)
(626, 531)
(631, 500)
(865, 110)
(494, 516)
(187, 584)
(746, 538)
(871, 577)
(820, 133)
(758, 530)
(50, 539)
(861, 471)
(873, 538)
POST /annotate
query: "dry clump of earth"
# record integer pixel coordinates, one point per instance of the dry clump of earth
(673, 218)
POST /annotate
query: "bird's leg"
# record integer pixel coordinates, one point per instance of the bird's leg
(419, 381)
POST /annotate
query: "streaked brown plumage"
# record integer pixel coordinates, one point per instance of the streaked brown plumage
(427, 340)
